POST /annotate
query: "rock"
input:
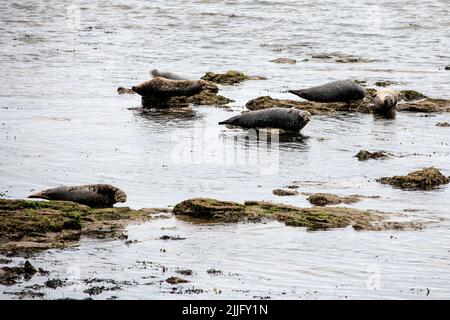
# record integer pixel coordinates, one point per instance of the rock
(447, 68)
(176, 280)
(324, 199)
(229, 78)
(425, 179)
(213, 271)
(54, 283)
(284, 61)
(311, 218)
(411, 95)
(281, 192)
(386, 83)
(366, 155)
(185, 272)
(210, 209)
(443, 124)
(340, 57)
(428, 105)
(11, 275)
(37, 225)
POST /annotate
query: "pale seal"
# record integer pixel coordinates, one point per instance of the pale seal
(166, 74)
(164, 88)
(92, 195)
(384, 102)
(277, 118)
(336, 91)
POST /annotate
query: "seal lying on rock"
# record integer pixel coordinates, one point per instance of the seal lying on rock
(336, 91)
(166, 74)
(385, 102)
(276, 118)
(92, 195)
(166, 88)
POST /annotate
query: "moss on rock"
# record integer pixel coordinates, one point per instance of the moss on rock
(33, 225)
(324, 199)
(366, 155)
(425, 179)
(311, 218)
(229, 78)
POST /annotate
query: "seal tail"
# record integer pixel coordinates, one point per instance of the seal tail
(38, 195)
(297, 92)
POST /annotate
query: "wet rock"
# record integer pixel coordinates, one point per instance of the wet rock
(284, 61)
(311, 218)
(340, 57)
(54, 283)
(176, 280)
(206, 98)
(366, 155)
(185, 272)
(447, 68)
(213, 271)
(37, 225)
(5, 261)
(443, 124)
(27, 294)
(411, 95)
(166, 237)
(315, 108)
(123, 90)
(428, 105)
(386, 83)
(324, 199)
(210, 209)
(229, 78)
(95, 290)
(425, 179)
(11, 275)
(282, 193)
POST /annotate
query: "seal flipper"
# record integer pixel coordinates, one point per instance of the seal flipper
(38, 195)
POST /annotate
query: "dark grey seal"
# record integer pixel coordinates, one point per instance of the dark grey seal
(164, 88)
(336, 91)
(384, 102)
(278, 118)
(92, 195)
(166, 74)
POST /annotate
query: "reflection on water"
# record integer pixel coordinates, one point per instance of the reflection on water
(62, 122)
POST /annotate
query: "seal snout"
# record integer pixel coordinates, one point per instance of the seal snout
(120, 196)
(134, 88)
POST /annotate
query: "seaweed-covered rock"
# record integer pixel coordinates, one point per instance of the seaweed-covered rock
(324, 199)
(205, 208)
(35, 225)
(11, 275)
(229, 78)
(340, 57)
(411, 95)
(366, 155)
(284, 61)
(282, 192)
(427, 105)
(315, 108)
(311, 218)
(443, 124)
(425, 179)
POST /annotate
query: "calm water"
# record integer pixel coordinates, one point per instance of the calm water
(62, 122)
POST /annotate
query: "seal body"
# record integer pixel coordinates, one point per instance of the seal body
(166, 74)
(336, 91)
(92, 195)
(384, 102)
(273, 118)
(165, 88)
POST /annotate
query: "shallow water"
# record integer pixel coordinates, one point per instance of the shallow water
(62, 122)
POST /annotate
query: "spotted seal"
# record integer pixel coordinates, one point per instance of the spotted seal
(166, 74)
(93, 195)
(336, 91)
(292, 120)
(165, 88)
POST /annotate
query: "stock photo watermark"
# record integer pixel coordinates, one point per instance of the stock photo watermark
(258, 149)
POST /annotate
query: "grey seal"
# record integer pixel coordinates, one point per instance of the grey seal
(165, 88)
(166, 74)
(384, 102)
(336, 91)
(92, 195)
(277, 118)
